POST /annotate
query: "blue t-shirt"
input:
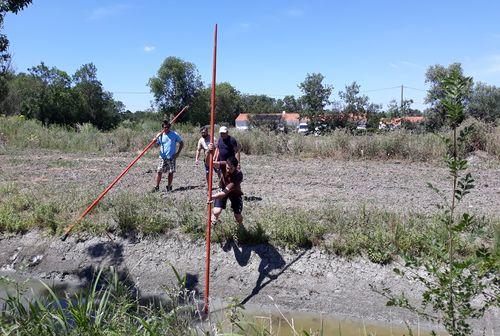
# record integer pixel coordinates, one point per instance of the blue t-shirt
(227, 147)
(168, 144)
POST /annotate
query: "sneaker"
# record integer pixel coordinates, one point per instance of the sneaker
(169, 188)
(155, 189)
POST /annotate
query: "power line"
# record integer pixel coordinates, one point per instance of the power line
(382, 89)
(409, 87)
(274, 95)
(129, 92)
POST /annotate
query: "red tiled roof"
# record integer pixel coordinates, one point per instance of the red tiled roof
(242, 117)
(284, 116)
(397, 121)
(413, 119)
(291, 116)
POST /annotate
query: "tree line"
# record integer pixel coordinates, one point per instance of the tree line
(52, 95)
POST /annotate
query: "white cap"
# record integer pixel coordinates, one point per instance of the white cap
(223, 129)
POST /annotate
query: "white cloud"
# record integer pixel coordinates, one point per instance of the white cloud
(392, 65)
(411, 64)
(107, 11)
(149, 48)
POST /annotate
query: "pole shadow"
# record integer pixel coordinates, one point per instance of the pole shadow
(270, 260)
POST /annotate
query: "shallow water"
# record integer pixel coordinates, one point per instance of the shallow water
(289, 323)
(276, 323)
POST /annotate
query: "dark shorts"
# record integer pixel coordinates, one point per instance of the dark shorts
(236, 203)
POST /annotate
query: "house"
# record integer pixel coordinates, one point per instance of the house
(291, 120)
(393, 123)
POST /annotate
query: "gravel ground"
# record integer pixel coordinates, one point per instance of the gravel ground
(308, 183)
(303, 280)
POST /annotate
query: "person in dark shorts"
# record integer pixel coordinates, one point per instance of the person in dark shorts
(230, 189)
(169, 151)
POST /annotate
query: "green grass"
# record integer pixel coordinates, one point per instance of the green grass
(369, 232)
(110, 306)
(107, 307)
(18, 134)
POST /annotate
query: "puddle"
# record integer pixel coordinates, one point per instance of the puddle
(289, 323)
(275, 323)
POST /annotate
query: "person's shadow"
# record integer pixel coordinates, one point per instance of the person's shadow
(270, 260)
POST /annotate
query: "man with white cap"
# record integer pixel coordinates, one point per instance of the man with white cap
(227, 147)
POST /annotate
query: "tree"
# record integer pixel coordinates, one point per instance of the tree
(50, 99)
(21, 90)
(485, 102)
(357, 106)
(316, 94)
(458, 286)
(290, 104)
(7, 6)
(394, 110)
(52, 96)
(95, 105)
(228, 103)
(257, 104)
(435, 76)
(175, 85)
(227, 107)
(199, 109)
(354, 103)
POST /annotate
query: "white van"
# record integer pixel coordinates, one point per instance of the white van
(303, 128)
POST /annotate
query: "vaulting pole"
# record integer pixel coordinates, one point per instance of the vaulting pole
(210, 177)
(108, 188)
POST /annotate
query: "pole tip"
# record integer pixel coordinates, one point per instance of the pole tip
(64, 236)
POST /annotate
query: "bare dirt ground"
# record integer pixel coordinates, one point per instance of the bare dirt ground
(305, 280)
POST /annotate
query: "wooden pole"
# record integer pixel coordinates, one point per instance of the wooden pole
(68, 229)
(210, 176)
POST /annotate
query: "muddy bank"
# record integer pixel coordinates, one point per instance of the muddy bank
(303, 280)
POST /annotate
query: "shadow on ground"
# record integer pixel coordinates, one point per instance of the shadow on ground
(271, 266)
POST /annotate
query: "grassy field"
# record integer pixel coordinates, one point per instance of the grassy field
(52, 198)
(377, 234)
(18, 134)
(50, 174)
(374, 233)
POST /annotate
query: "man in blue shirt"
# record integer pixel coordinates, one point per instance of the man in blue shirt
(168, 153)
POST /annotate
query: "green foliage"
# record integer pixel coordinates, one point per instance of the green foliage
(106, 307)
(175, 85)
(437, 76)
(7, 6)
(258, 104)
(52, 96)
(457, 287)
(485, 103)
(191, 220)
(143, 213)
(316, 95)
(290, 227)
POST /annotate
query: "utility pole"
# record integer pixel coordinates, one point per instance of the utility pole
(401, 109)
(402, 96)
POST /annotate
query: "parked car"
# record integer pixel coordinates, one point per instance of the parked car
(303, 128)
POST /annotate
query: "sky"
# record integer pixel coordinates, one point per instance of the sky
(264, 47)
